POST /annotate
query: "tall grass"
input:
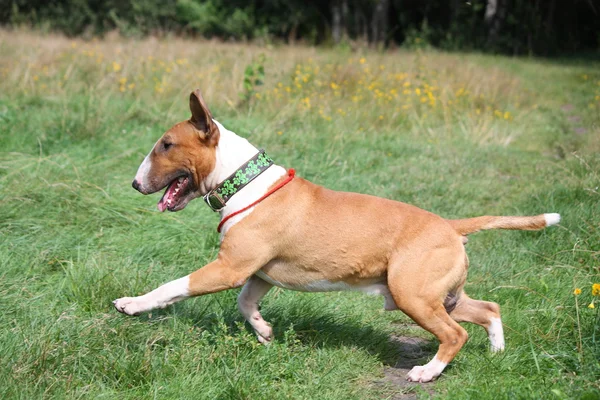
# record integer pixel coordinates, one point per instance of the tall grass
(456, 134)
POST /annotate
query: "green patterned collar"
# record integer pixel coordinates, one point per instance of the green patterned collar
(218, 197)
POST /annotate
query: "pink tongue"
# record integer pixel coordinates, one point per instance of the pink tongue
(162, 203)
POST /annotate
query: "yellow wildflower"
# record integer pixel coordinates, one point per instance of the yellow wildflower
(591, 305)
(577, 291)
(362, 60)
(596, 289)
(279, 133)
(116, 66)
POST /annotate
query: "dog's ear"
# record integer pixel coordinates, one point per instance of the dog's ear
(202, 118)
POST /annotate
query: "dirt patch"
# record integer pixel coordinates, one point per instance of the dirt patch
(574, 119)
(412, 351)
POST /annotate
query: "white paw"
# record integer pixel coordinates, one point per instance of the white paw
(131, 305)
(427, 372)
(496, 335)
(265, 334)
(421, 374)
(497, 347)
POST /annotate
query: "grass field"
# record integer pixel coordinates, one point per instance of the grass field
(457, 134)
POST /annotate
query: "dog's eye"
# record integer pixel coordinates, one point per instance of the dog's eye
(167, 145)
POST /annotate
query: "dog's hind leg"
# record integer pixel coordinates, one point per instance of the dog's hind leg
(484, 313)
(251, 293)
(419, 284)
(452, 336)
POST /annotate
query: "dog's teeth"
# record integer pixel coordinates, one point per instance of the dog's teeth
(176, 190)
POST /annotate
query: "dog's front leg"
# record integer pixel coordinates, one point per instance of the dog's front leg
(220, 274)
(160, 297)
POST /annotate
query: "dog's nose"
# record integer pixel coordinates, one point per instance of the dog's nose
(136, 185)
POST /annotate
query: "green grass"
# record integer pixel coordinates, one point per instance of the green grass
(74, 235)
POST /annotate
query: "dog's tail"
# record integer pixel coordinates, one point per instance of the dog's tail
(472, 225)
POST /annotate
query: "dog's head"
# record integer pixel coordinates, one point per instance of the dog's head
(181, 159)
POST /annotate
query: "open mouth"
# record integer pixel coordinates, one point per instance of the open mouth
(175, 192)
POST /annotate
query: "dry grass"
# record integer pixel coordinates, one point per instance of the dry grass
(456, 134)
(426, 93)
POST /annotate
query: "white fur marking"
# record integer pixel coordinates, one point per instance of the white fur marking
(160, 297)
(382, 290)
(142, 174)
(231, 152)
(496, 335)
(248, 300)
(427, 372)
(552, 219)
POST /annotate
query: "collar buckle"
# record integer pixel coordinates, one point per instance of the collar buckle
(214, 201)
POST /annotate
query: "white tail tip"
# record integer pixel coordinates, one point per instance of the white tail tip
(552, 219)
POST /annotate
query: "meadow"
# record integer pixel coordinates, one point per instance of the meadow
(457, 134)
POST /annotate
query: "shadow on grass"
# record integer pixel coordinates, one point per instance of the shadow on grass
(321, 328)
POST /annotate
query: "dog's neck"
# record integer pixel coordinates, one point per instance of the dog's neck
(231, 153)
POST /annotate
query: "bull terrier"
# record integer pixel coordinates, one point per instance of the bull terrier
(281, 230)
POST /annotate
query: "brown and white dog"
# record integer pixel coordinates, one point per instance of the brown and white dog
(306, 237)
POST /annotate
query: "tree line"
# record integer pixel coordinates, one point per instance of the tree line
(542, 27)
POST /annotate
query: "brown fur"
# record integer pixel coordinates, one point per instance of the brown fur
(304, 233)
(472, 225)
(188, 148)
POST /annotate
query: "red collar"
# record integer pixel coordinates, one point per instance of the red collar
(291, 175)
